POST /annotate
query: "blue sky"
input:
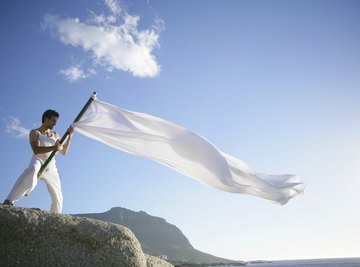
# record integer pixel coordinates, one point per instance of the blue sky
(274, 83)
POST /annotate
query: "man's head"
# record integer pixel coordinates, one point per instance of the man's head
(49, 118)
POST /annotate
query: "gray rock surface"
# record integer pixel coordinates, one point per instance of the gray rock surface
(153, 261)
(39, 238)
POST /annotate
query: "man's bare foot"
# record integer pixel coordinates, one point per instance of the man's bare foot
(8, 202)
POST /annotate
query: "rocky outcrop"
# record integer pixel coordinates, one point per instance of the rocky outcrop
(153, 261)
(39, 238)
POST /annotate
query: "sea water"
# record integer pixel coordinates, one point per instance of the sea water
(345, 262)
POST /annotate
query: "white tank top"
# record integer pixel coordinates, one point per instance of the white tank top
(46, 141)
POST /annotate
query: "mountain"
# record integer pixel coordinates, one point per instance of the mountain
(157, 237)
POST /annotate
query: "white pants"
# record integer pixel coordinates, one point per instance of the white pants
(28, 181)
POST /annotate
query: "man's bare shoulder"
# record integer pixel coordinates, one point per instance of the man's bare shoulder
(34, 133)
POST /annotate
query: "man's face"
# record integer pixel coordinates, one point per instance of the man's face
(50, 123)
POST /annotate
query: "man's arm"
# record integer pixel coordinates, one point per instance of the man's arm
(35, 144)
(64, 148)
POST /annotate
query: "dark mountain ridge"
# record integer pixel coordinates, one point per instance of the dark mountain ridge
(157, 237)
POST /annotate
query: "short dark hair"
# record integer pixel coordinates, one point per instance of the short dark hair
(49, 114)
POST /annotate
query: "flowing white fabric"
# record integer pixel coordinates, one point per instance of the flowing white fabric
(182, 150)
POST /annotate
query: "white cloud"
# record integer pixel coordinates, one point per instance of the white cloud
(114, 6)
(14, 128)
(75, 73)
(113, 45)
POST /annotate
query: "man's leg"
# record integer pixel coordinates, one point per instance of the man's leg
(25, 183)
(53, 184)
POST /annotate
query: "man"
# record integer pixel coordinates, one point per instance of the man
(43, 141)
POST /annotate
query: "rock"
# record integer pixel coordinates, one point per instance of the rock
(153, 261)
(39, 238)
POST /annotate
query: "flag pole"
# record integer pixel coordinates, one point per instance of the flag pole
(78, 117)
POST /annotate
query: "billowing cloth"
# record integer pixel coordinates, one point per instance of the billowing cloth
(182, 150)
(27, 181)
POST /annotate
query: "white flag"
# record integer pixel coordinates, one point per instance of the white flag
(182, 150)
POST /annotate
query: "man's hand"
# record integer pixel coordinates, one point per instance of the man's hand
(70, 131)
(59, 147)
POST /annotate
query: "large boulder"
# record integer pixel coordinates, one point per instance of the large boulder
(153, 261)
(38, 238)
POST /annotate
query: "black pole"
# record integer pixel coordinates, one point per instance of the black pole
(78, 117)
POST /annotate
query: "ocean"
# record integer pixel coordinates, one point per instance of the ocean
(345, 262)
